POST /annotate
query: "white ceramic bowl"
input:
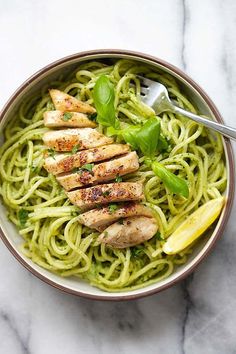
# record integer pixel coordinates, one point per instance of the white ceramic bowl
(10, 235)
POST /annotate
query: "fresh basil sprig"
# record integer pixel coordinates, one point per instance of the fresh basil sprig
(145, 138)
(174, 183)
(104, 98)
(149, 140)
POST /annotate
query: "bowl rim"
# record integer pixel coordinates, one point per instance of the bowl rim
(228, 148)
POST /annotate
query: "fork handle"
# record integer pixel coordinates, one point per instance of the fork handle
(222, 129)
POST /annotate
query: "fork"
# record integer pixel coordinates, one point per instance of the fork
(155, 95)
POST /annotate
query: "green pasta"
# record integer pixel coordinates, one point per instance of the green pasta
(47, 221)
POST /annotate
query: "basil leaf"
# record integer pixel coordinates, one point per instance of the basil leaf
(148, 136)
(174, 183)
(129, 135)
(162, 144)
(145, 138)
(104, 98)
(111, 131)
(23, 216)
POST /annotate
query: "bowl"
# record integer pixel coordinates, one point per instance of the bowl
(10, 235)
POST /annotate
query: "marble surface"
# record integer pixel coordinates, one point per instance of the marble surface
(199, 314)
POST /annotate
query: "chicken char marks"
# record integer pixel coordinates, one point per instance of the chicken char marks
(88, 198)
(61, 163)
(101, 172)
(86, 157)
(100, 219)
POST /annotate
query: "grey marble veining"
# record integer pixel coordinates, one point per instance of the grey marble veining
(197, 315)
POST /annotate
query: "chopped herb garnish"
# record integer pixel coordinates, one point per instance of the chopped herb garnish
(98, 206)
(106, 234)
(75, 169)
(50, 106)
(112, 207)
(87, 167)
(23, 216)
(121, 221)
(135, 251)
(34, 168)
(75, 148)
(51, 153)
(106, 193)
(118, 179)
(67, 116)
(159, 236)
(93, 116)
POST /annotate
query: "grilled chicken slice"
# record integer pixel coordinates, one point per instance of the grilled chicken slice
(89, 198)
(131, 232)
(82, 138)
(102, 172)
(58, 119)
(67, 103)
(63, 163)
(99, 219)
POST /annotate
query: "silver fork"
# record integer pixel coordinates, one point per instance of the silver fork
(156, 96)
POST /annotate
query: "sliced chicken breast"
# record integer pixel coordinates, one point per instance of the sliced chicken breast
(67, 103)
(102, 172)
(63, 163)
(82, 138)
(100, 219)
(131, 232)
(58, 119)
(89, 198)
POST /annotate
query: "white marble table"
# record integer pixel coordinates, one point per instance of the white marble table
(196, 316)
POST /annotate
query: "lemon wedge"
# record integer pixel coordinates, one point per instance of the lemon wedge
(194, 226)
